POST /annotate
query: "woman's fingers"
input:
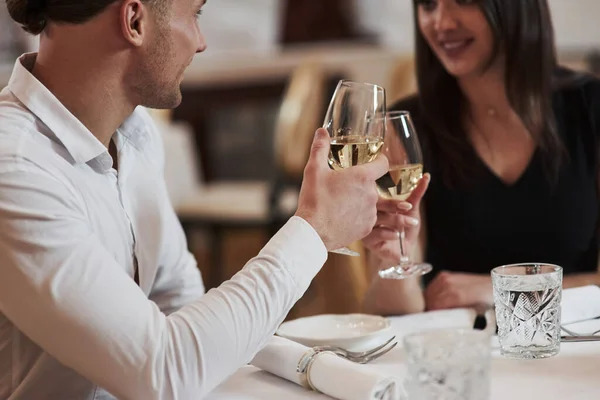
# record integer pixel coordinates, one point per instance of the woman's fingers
(379, 236)
(379, 244)
(393, 206)
(396, 222)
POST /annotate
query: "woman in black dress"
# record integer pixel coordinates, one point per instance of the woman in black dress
(511, 142)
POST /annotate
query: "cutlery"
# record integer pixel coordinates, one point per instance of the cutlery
(580, 338)
(572, 333)
(361, 357)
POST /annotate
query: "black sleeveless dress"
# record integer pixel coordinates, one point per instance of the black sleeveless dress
(483, 225)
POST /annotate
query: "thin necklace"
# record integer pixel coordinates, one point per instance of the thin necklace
(493, 113)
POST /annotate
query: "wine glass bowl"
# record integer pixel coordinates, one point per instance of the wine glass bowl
(355, 139)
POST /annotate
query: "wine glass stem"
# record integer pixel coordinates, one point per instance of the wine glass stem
(404, 260)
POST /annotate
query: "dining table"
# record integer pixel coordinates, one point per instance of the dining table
(574, 373)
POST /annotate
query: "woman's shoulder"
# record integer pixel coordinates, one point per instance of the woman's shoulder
(412, 104)
(567, 81)
(577, 93)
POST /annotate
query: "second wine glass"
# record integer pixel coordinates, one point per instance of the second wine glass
(354, 138)
(403, 150)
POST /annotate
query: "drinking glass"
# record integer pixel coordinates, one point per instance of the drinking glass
(403, 150)
(355, 139)
(449, 364)
(527, 300)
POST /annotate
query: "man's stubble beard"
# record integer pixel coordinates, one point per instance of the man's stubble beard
(153, 84)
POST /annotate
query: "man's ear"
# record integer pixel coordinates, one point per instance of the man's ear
(134, 18)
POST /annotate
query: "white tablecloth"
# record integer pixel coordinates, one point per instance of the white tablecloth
(573, 374)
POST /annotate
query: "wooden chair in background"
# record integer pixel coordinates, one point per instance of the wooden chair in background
(219, 207)
(402, 81)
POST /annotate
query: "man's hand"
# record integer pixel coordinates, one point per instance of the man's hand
(455, 290)
(392, 217)
(339, 205)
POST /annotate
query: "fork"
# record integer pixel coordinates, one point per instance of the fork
(360, 357)
(594, 338)
(572, 333)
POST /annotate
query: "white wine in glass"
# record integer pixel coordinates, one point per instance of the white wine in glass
(348, 151)
(404, 154)
(355, 139)
(400, 181)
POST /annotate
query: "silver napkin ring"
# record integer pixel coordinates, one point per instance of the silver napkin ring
(304, 366)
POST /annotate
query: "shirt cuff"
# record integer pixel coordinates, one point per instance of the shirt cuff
(300, 249)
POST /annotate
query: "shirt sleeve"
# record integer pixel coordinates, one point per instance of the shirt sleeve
(66, 292)
(178, 280)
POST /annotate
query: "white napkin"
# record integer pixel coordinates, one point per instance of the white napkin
(580, 304)
(330, 374)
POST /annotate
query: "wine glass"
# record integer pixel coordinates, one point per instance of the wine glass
(403, 151)
(349, 120)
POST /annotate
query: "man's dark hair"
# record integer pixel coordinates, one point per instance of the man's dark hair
(33, 15)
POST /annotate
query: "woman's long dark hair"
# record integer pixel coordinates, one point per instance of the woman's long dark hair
(524, 35)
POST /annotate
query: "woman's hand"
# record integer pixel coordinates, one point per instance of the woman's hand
(455, 290)
(392, 216)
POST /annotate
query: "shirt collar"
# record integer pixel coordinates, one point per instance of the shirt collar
(81, 144)
(135, 128)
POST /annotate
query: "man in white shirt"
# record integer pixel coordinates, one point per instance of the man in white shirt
(99, 296)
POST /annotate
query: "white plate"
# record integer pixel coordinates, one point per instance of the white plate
(355, 332)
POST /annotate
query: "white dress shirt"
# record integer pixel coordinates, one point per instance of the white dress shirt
(72, 318)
